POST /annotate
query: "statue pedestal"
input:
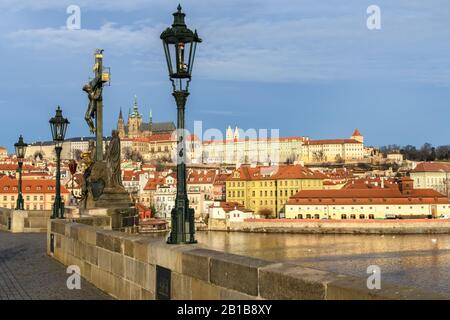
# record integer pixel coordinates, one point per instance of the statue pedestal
(119, 207)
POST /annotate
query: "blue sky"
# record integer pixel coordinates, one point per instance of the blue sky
(306, 67)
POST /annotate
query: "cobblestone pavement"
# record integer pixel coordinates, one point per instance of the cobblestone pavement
(26, 272)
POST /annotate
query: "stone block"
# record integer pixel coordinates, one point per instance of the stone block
(130, 268)
(58, 226)
(141, 247)
(354, 288)
(128, 247)
(122, 289)
(86, 271)
(118, 264)
(168, 256)
(282, 281)
(150, 278)
(103, 280)
(91, 254)
(58, 238)
(181, 287)
(109, 240)
(74, 261)
(78, 249)
(202, 290)
(236, 272)
(104, 259)
(87, 235)
(147, 295)
(135, 292)
(73, 231)
(140, 273)
(227, 294)
(195, 263)
(69, 245)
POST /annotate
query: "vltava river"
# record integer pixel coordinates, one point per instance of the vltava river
(412, 260)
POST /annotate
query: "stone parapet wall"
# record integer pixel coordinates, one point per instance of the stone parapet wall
(125, 267)
(423, 226)
(24, 220)
(5, 214)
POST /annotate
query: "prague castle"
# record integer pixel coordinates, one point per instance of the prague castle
(136, 127)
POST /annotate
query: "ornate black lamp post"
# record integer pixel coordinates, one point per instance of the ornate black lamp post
(21, 148)
(180, 44)
(58, 125)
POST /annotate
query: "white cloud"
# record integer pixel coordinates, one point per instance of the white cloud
(121, 40)
(286, 41)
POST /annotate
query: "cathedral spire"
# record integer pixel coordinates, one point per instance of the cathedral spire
(135, 106)
(120, 114)
(150, 122)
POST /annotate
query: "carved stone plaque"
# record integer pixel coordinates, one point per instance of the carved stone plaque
(163, 278)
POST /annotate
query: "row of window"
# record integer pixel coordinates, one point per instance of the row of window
(27, 188)
(35, 198)
(27, 206)
(343, 216)
(362, 208)
(280, 183)
(266, 193)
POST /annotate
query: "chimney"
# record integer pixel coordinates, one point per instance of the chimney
(406, 184)
(382, 183)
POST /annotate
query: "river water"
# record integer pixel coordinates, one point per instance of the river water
(421, 261)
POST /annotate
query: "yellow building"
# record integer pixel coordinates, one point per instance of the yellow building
(37, 194)
(266, 189)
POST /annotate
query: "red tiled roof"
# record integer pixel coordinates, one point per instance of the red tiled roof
(369, 183)
(8, 184)
(257, 139)
(356, 133)
(200, 177)
(230, 206)
(161, 137)
(332, 141)
(13, 167)
(367, 196)
(221, 178)
(432, 167)
(152, 184)
(275, 173)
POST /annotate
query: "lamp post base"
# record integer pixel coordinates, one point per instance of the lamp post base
(183, 226)
(58, 210)
(20, 204)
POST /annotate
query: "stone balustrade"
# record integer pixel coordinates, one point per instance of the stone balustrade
(125, 266)
(24, 220)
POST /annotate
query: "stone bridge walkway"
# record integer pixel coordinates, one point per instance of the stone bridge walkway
(26, 272)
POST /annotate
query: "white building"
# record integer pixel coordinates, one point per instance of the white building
(231, 211)
(165, 200)
(432, 175)
(392, 201)
(334, 150)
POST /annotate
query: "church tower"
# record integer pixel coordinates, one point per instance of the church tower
(357, 136)
(150, 122)
(236, 134)
(121, 125)
(229, 135)
(134, 121)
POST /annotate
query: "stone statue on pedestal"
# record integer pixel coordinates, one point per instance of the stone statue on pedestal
(102, 187)
(113, 162)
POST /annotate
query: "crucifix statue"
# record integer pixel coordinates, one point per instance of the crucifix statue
(94, 90)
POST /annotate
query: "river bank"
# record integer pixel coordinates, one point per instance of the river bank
(418, 226)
